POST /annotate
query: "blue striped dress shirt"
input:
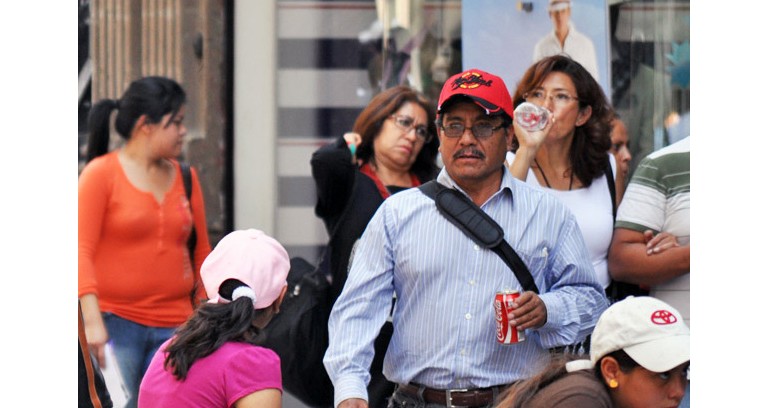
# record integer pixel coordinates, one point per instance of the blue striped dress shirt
(444, 325)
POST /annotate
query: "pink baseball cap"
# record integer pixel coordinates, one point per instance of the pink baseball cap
(487, 90)
(252, 257)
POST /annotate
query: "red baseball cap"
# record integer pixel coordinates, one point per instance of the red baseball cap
(487, 90)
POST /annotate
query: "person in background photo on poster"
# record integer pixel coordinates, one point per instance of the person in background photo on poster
(564, 39)
(136, 279)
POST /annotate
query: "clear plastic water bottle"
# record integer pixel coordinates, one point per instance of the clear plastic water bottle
(531, 117)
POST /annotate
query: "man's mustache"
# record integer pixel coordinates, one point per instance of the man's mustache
(469, 151)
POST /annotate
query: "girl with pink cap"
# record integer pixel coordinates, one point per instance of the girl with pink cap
(214, 359)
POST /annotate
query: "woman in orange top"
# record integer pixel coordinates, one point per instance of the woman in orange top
(135, 277)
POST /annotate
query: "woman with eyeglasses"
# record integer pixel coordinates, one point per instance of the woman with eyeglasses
(392, 147)
(571, 156)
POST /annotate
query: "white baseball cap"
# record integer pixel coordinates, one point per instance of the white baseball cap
(650, 331)
(252, 257)
(557, 5)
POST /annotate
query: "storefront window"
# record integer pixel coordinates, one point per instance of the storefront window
(651, 72)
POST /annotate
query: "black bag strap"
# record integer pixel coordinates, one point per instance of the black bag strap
(186, 176)
(611, 186)
(619, 290)
(478, 226)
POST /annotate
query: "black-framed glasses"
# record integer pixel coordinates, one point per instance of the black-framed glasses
(539, 97)
(481, 130)
(406, 123)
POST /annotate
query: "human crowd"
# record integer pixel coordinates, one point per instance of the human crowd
(413, 321)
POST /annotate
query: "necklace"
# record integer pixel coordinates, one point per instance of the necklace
(544, 176)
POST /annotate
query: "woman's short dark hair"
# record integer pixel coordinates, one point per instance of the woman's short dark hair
(152, 96)
(592, 140)
(370, 121)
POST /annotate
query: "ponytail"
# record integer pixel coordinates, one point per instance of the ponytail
(98, 128)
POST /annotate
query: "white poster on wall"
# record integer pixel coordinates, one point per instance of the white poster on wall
(505, 37)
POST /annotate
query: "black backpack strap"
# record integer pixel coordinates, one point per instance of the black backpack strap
(186, 177)
(479, 227)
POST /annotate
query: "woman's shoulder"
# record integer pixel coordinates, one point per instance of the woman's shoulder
(249, 351)
(102, 166)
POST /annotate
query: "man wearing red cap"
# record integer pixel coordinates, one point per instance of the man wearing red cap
(444, 350)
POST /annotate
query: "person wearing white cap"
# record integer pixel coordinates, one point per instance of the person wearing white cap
(640, 357)
(564, 39)
(214, 359)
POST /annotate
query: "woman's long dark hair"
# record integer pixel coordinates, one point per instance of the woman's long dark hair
(520, 394)
(592, 140)
(370, 121)
(212, 325)
(151, 96)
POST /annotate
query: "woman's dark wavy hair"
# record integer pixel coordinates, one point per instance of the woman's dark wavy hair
(212, 325)
(152, 96)
(521, 393)
(370, 121)
(592, 140)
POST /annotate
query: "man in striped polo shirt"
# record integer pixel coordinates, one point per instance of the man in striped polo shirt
(657, 203)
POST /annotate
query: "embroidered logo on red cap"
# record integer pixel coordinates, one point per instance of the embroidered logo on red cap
(663, 317)
(470, 80)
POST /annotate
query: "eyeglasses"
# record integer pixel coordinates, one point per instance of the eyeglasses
(406, 123)
(559, 98)
(481, 130)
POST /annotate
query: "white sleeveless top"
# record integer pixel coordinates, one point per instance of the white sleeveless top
(593, 210)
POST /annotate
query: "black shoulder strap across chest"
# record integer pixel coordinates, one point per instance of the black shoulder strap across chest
(478, 226)
(611, 186)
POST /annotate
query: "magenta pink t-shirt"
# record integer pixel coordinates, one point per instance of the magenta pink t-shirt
(218, 380)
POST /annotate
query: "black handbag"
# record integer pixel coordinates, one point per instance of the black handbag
(299, 334)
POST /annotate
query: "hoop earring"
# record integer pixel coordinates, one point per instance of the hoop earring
(613, 383)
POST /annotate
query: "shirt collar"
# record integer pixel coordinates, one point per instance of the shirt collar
(507, 181)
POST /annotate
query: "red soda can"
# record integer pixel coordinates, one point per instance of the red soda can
(502, 304)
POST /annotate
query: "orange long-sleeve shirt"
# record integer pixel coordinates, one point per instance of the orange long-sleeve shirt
(132, 250)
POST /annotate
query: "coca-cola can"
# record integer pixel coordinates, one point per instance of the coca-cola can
(502, 304)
